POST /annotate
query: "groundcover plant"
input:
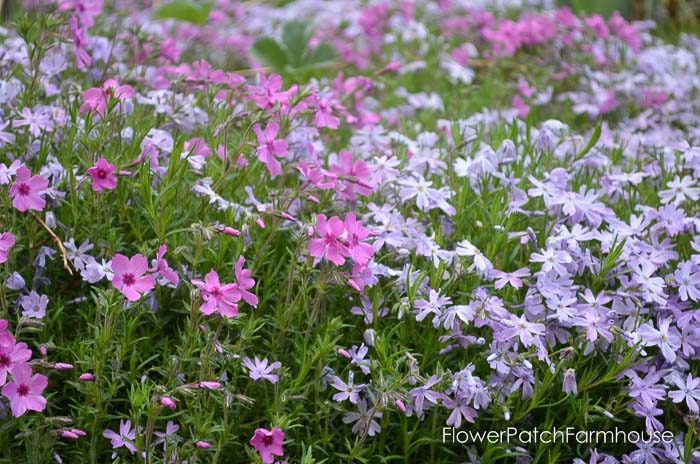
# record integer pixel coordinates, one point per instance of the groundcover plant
(347, 231)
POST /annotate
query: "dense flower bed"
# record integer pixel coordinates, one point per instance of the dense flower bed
(321, 231)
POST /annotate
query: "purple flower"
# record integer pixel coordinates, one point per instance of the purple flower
(460, 410)
(78, 255)
(514, 279)
(570, 382)
(481, 262)
(366, 309)
(434, 305)
(424, 397)
(357, 357)
(36, 121)
(649, 412)
(552, 260)
(34, 305)
(6, 138)
(125, 438)
(689, 390)
(346, 391)
(363, 420)
(258, 369)
(680, 190)
(528, 332)
(595, 325)
(666, 338)
(647, 391)
(688, 281)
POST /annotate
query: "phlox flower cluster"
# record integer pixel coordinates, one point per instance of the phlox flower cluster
(287, 228)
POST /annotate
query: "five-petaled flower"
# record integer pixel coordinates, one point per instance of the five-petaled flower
(130, 276)
(217, 296)
(7, 241)
(102, 174)
(270, 147)
(27, 191)
(24, 391)
(331, 242)
(268, 443)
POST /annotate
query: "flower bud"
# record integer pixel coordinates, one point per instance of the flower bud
(167, 402)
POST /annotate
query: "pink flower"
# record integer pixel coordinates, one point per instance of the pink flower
(654, 98)
(609, 104)
(27, 191)
(244, 282)
(198, 147)
(86, 377)
(353, 176)
(359, 251)
(269, 147)
(230, 231)
(161, 266)
(7, 241)
(84, 10)
(120, 92)
(324, 114)
(102, 174)
(72, 434)
(269, 92)
(361, 277)
(331, 232)
(400, 406)
(597, 24)
(11, 355)
(268, 443)
(24, 391)
(62, 366)
(217, 297)
(129, 276)
(6, 338)
(167, 402)
(95, 99)
(521, 107)
(202, 444)
(82, 58)
(209, 385)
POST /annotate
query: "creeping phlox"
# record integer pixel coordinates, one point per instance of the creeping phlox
(20, 385)
(280, 223)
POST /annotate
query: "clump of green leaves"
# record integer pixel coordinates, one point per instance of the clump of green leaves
(294, 56)
(184, 10)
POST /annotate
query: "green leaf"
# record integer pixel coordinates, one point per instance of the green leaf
(269, 53)
(591, 143)
(295, 38)
(184, 10)
(324, 53)
(321, 57)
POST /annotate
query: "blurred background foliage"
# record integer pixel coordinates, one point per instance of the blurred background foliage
(672, 16)
(679, 11)
(679, 14)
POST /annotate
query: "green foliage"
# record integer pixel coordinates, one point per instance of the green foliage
(138, 353)
(293, 56)
(184, 10)
(602, 7)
